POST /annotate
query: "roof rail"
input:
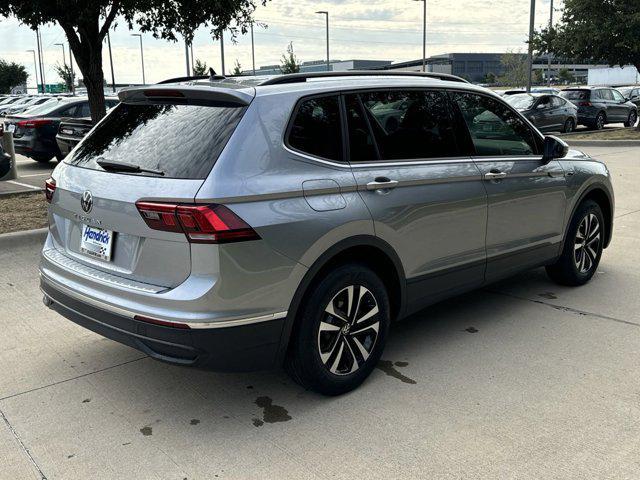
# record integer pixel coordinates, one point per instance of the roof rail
(303, 77)
(212, 76)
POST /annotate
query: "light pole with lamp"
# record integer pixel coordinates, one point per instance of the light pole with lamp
(424, 35)
(139, 35)
(326, 14)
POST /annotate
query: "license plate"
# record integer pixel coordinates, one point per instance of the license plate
(66, 131)
(96, 242)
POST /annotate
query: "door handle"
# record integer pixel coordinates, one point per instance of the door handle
(495, 175)
(557, 173)
(382, 183)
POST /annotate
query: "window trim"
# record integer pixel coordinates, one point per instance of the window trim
(536, 134)
(294, 114)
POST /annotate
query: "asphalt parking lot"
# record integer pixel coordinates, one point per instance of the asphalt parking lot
(31, 176)
(523, 379)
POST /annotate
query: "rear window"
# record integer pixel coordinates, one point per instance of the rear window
(575, 94)
(183, 141)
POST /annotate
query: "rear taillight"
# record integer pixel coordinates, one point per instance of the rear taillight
(39, 122)
(584, 104)
(200, 223)
(49, 188)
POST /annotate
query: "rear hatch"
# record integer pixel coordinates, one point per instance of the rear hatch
(174, 138)
(579, 97)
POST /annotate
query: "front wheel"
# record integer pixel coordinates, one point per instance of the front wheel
(341, 331)
(582, 247)
(600, 121)
(631, 121)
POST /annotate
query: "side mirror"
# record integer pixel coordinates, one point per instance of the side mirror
(554, 148)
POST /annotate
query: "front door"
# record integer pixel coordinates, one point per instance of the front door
(526, 197)
(426, 198)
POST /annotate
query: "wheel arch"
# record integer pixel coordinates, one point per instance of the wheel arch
(599, 194)
(367, 249)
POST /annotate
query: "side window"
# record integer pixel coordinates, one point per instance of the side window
(617, 96)
(544, 103)
(494, 128)
(361, 145)
(410, 124)
(316, 128)
(67, 112)
(558, 102)
(606, 94)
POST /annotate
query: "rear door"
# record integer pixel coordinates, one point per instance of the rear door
(620, 105)
(178, 142)
(426, 197)
(526, 197)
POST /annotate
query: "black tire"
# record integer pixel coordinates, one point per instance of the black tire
(323, 360)
(43, 158)
(569, 125)
(631, 120)
(576, 265)
(600, 121)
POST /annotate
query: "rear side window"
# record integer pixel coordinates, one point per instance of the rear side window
(316, 128)
(494, 128)
(558, 102)
(575, 94)
(183, 141)
(409, 124)
(606, 94)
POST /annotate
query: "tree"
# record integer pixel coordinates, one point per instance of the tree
(290, 63)
(200, 68)
(564, 75)
(514, 65)
(537, 76)
(66, 74)
(11, 75)
(596, 31)
(86, 24)
(237, 68)
(490, 78)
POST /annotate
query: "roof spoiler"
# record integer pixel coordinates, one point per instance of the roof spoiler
(186, 94)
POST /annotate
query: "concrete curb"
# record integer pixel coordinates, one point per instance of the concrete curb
(25, 237)
(588, 132)
(602, 143)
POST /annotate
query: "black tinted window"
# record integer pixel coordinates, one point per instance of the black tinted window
(494, 128)
(183, 141)
(576, 94)
(316, 128)
(361, 146)
(410, 124)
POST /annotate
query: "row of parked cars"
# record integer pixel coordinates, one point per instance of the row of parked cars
(51, 128)
(562, 110)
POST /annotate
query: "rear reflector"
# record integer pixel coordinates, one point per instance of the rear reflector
(162, 323)
(200, 223)
(49, 188)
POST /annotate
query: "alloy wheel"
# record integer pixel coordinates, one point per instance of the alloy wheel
(600, 122)
(632, 119)
(348, 330)
(587, 243)
(568, 126)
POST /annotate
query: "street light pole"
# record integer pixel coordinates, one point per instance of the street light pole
(186, 57)
(532, 18)
(424, 35)
(113, 77)
(139, 35)
(73, 75)
(549, 53)
(35, 68)
(326, 14)
(193, 63)
(253, 51)
(222, 49)
(41, 60)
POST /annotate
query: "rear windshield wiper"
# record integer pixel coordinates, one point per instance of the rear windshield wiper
(126, 167)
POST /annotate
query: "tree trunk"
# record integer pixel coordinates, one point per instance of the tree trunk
(94, 81)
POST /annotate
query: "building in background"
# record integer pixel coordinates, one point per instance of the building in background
(321, 66)
(614, 76)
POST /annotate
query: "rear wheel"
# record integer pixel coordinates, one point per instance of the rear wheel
(631, 121)
(42, 158)
(599, 122)
(582, 248)
(341, 331)
(569, 125)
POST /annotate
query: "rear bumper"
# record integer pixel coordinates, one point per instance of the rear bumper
(66, 144)
(244, 347)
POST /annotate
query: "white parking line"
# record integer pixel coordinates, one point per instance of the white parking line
(24, 185)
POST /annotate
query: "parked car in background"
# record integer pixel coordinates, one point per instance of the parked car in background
(36, 130)
(71, 131)
(547, 112)
(548, 90)
(171, 223)
(632, 93)
(598, 106)
(12, 102)
(512, 92)
(30, 103)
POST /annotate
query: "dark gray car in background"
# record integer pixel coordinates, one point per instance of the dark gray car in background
(598, 106)
(632, 93)
(550, 113)
(246, 223)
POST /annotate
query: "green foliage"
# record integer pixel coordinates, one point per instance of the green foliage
(289, 63)
(537, 76)
(86, 24)
(67, 76)
(200, 68)
(565, 76)
(595, 30)
(237, 68)
(515, 69)
(490, 78)
(11, 75)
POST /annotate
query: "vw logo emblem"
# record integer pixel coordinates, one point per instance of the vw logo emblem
(86, 202)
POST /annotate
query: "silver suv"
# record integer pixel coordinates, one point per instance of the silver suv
(246, 223)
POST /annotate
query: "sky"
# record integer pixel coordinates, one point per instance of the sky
(358, 29)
